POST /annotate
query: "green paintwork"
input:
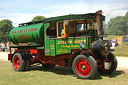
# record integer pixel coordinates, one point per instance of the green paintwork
(47, 49)
(52, 47)
(25, 45)
(26, 35)
(42, 47)
(65, 45)
(91, 33)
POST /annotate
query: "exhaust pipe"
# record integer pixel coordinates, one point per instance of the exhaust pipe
(99, 23)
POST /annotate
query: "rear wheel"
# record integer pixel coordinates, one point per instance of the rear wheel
(27, 64)
(27, 59)
(84, 67)
(48, 65)
(112, 59)
(18, 62)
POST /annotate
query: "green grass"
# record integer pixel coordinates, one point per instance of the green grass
(121, 50)
(56, 76)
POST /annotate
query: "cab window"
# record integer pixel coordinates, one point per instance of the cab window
(80, 27)
(60, 29)
(51, 31)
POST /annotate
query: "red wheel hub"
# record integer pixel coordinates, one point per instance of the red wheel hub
(16, 62)
(83, 67)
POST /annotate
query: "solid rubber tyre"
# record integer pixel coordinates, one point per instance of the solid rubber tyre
(27, 64)
(26, 58)
(113, 67)
(48, 66)
(84, 67)
(18, 62)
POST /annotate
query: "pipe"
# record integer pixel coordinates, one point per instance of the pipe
(99, 22)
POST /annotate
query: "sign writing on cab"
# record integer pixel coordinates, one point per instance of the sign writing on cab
(71, 42)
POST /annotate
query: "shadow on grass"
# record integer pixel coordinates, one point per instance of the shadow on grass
(68, 71)
(113, 75)
(57, 70)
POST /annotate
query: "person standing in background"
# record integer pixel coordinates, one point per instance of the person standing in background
(113, 42)
(7, 45)
(124, 40)
(3, 46)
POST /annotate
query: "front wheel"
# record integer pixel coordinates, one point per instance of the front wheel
(112, 59)
(84, 66)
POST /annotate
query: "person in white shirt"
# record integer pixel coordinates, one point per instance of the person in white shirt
(113, 42)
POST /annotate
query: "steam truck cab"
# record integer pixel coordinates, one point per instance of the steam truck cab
(70, 41)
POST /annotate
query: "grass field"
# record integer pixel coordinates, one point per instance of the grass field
(121, 50)
(56, 76)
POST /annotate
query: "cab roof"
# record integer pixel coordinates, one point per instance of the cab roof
(65, 17)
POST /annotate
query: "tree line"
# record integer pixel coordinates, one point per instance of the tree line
(116, 26)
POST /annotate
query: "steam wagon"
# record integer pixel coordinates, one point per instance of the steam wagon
(74, 40)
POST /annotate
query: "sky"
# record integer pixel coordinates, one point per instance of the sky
(20, 11)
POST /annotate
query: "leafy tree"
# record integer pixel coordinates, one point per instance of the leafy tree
(5, 27)
(117, 26)
(126, 16)
(38, 18)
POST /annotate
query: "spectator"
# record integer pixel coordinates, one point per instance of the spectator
(124, 40)
(3, 47)
(113, 42)
(7, 46)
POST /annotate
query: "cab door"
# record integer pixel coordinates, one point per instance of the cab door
(52, 46)
(61, 38)
(49, 42)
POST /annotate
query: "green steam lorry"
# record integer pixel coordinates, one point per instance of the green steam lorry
(70, 41)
